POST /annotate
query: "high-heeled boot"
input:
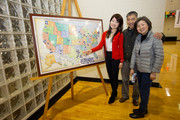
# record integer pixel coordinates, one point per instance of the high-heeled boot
(112, 98)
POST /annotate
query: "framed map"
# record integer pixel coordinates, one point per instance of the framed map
(60, 42)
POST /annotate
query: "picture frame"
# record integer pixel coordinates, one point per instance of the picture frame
(60, 42)
(177, 19)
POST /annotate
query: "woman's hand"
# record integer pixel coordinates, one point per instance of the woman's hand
(153, 76)
(131, 72)
(120, 65)
(158, 35)
(87, 52)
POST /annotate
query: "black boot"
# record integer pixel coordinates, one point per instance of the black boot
(112, 98)
(137, 113)
(137, 110)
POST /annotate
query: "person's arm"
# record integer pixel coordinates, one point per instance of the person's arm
(121, 38)
(100, 45)
(163, 38)
(133, 60)
(159, 58)
(159, 36)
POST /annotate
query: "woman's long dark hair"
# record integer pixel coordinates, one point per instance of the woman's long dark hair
(119, 28)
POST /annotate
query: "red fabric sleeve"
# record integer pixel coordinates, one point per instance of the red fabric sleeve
(101, 44)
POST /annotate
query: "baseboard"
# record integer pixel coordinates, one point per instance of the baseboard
(107, 81)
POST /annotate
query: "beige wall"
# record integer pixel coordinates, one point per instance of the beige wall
(169, 29)
(104, 9)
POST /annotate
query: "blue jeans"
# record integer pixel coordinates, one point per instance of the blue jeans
(144, 82)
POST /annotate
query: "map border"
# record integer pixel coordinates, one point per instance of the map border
(40, 73)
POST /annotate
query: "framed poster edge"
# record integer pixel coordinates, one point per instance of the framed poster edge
(40, 73)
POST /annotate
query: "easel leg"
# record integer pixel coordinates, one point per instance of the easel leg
(72, 90)
(77, 7)
(47, 97)
(63, 7)
(102, 80)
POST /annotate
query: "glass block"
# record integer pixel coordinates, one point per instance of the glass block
(3, 9)
(27, 25)
(8, 57)
(57, 9)
(45, 94)
(44, 4)
(33, 65)
(30, 106)
(19, 114)
(26, 10)
(8, 118)
(19, 40)
(28, 94)
(56, 1)
(14, 87)
(45, 12)
(36, 11)
(25, 81)
(14, 9)
(38, 88)
(16, 101)
(11, 72)
(39, 99)
(1, 76)
(51, 6)
(29, 39)
(22, 54)
(45, 83)
(35, 3)
(4, 24)
(35, 75)
(58, 77)
(31, 53)
(4, 109)
(16, 25)
(26, 1)
(58, 84)
(6, 41)
(23, 68)
(53, 89)
(3, 92)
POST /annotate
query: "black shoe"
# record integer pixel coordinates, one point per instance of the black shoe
(135, 102)
(123, 99)
(136, 115)
(137, 110)
(112, 98)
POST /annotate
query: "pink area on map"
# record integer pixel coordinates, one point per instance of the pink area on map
(66, 49)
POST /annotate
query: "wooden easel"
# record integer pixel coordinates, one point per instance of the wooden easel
(71, 71)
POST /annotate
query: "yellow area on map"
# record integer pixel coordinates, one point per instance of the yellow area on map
(51, 23)
(59, 40)
(50, 59)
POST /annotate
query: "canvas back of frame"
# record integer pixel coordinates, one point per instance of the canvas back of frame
(60, 42)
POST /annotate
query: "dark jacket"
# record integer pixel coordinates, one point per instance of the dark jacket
(128, 44)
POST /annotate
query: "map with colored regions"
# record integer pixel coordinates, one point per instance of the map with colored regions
(61, 42)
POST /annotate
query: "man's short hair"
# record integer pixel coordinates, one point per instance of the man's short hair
(132, 13)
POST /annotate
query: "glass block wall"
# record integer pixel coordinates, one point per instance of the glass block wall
(20, 97)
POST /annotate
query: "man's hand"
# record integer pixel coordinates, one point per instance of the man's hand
(120, 65)
(131, 72)
(158, 35)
